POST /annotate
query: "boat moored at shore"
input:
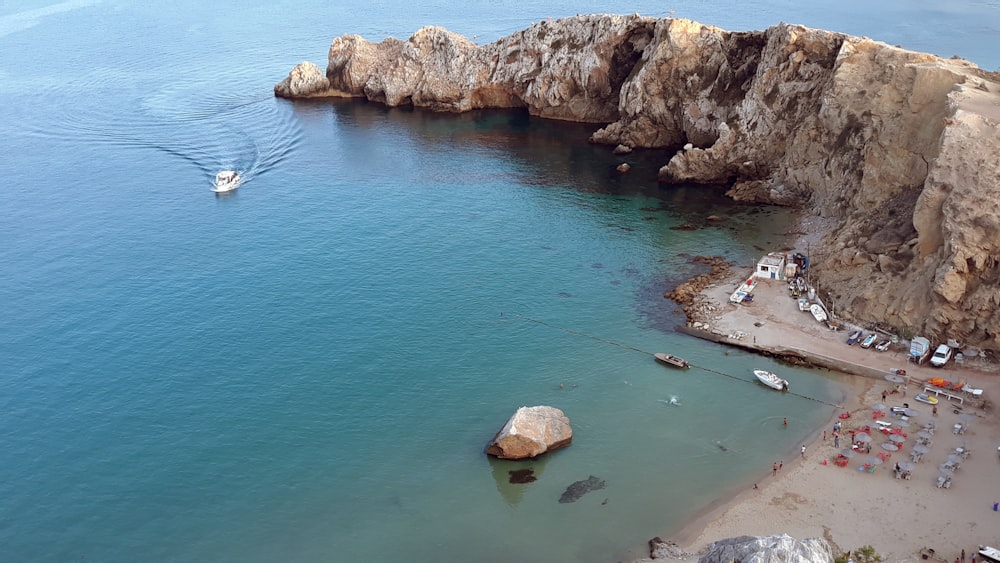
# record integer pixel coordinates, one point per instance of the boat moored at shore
(671, 360)
(771, 380)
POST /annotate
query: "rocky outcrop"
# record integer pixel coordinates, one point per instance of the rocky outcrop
(768, 549)
(666, 549)
(900, 148)
(748, 549)
(530, 432)
(306, 80)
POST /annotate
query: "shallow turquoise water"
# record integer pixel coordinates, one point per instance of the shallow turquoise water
(308, 369)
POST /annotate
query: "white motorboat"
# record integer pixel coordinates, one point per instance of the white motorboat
(226, 181)
(771, 380)
(818, 312)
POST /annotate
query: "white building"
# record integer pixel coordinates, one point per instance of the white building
(771, 266)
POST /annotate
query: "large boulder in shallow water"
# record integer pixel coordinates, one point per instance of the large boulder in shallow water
(530, 432)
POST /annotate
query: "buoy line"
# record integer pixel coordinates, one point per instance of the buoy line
(633, 348)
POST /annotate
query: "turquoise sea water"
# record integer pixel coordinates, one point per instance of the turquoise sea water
(308, 369)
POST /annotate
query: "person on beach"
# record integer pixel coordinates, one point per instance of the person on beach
(836, 439)
(824, 435)
(803, 451)
(781, 465)
(934, 410)
(963, 556)
(774, 471)
(883, 395)
(785, 422)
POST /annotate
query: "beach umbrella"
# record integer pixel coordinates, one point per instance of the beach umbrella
(862, 437)
(893, 378)
(954, 459)
(902, 423)
(910, 412)
(906, 465)
(878, 407)
(897, 438)
(966, 417)
(924, 434)
(921, 449)
(874, 460)
(848, 452)
(890, 447)
(946, 472)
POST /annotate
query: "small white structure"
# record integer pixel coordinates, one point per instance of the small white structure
(771, 266)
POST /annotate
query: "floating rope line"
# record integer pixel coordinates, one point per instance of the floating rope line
(585, 335)
(651, 354)
(755, 381)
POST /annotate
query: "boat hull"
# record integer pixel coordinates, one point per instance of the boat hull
(818, 313)
(925, 398)
(771, 380)
(670, 360)
(226, 181)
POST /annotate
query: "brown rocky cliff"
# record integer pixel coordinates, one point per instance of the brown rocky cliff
(900, 148)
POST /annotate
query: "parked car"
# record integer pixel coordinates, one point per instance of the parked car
(941, 356)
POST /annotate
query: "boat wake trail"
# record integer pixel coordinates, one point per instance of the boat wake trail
(190, 121)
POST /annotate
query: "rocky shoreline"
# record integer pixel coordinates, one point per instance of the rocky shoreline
(896, 149)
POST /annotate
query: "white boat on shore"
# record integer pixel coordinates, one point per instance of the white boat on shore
(744, 291)
(226, 181)
(771, 380)
(818, 312)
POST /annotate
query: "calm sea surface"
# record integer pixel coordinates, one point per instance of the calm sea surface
(308, 369)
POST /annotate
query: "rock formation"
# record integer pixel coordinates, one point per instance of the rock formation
(899, 148)
(530, 432)
(767, 549)
(748, 549)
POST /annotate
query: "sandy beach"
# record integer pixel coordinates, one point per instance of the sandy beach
(811, 496)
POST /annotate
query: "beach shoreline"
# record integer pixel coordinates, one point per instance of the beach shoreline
(811, 496)
(691, 533)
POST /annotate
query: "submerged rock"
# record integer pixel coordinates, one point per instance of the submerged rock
(580, 488)
(530, 432)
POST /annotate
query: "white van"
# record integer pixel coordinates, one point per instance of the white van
(941, 356)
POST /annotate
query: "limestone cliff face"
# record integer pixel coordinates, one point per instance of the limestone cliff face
(902, 149)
